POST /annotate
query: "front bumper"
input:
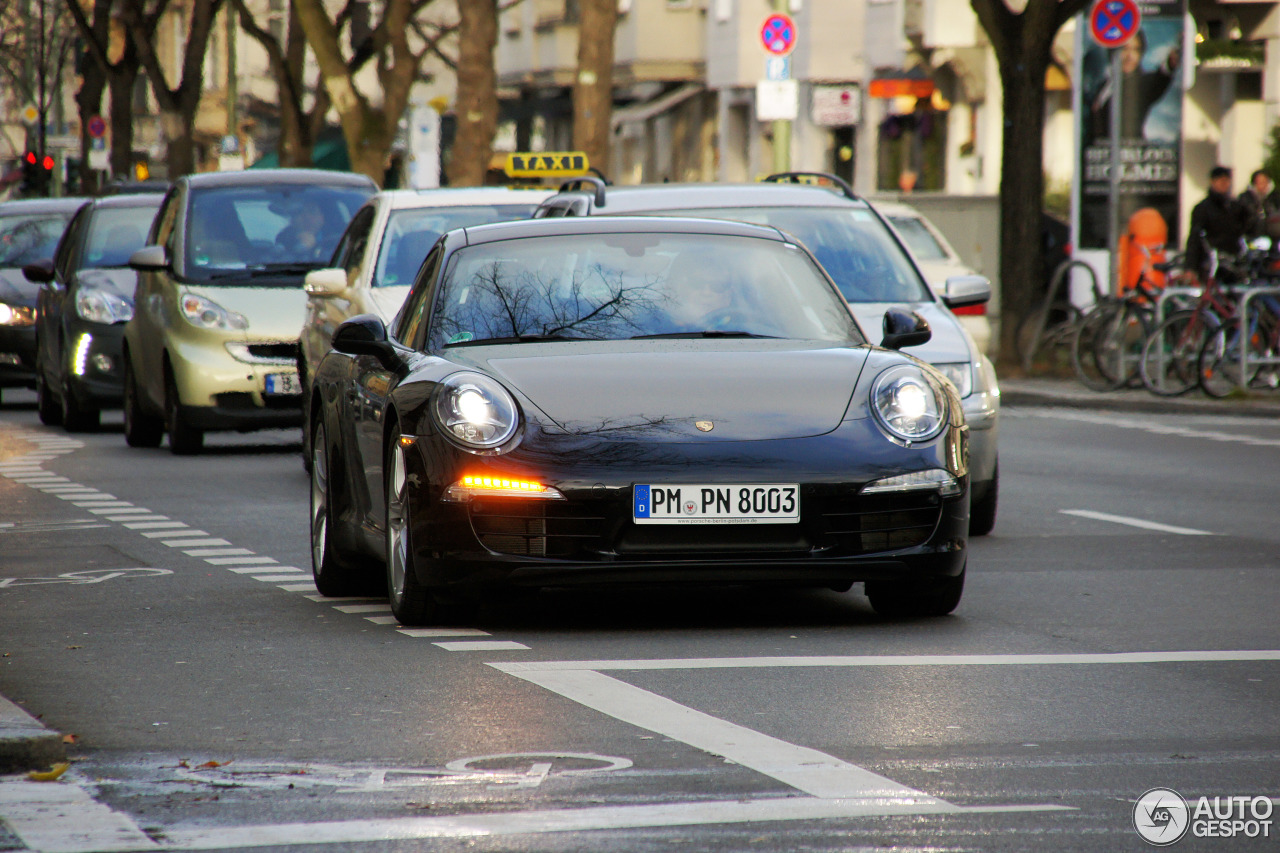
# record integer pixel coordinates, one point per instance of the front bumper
(590, 538)
(94, 362)
(217, 391)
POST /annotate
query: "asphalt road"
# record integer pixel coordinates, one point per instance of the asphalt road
(1118, 634)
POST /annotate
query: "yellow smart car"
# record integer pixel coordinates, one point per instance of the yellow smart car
(213, 342)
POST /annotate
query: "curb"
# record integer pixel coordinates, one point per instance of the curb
(25, 744)
(1015, 394)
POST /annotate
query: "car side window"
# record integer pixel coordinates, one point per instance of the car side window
(413, 316)
(165, 233)
(350, 253)
(64, 259)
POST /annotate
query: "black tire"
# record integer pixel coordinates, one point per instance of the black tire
(937, 597)
(1219, 362)
(184, 439)
(1108, 346)
(48, 407)
(982, 513)
(411, 602)
(140, 428)
(1171, 355)
(334, 575)
(78, 416)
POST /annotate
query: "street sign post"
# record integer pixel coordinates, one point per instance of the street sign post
(1113, 23)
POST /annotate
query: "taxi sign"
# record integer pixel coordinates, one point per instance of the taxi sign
(547, 164)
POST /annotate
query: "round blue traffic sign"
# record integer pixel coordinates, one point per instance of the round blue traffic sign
(778, 34)
(96, 127)
(1113, 22)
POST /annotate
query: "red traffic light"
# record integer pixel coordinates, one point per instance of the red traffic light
(47, 163)
(31, 157)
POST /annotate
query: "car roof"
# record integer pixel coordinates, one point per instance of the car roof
(271, 177)
(127, 200)
(573, 225)
(652, 197)
(42, 205)
(897, 208)
(462, 196)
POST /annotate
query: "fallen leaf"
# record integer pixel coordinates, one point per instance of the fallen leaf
(209, 765)
(50, 775)
(70, 738)
(182, 762)
(75, 647)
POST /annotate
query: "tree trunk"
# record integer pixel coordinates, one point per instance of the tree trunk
(120, 83)
(88, 105)
(1021, 198)
(593, 87)
(476, 109)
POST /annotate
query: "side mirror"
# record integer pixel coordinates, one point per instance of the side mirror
(40, 272)
(960, 291)
(325, 283)
(904, 329)
(149, 259)
(365, 334)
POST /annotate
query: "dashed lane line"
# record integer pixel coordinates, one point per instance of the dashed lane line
(1135, 522)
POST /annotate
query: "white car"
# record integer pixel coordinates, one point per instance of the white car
(939, 262)
(381, 250)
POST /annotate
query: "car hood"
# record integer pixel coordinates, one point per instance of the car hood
(122, 282)
(16, 289)
(385, 301)
(274, 313)
(949, 343)
(746, 390)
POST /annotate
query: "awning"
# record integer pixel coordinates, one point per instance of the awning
(656, 107)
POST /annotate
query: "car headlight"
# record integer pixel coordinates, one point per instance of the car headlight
(17, 315)
(961, 375)
(207, 314)
(907, 404)
(103, 306)
(476, 411)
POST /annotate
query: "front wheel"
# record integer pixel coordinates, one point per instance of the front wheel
(333, 575)
(48, 407)
(78, 416)
(935, 597)
(1171, 353)
(982, 515)
(411, 602)
(184, 439)
(140, 428)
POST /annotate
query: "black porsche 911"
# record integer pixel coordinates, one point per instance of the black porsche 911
(599, 401)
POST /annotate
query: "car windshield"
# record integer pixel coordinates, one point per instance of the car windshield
(636, 285)
(31, 237)
(275, 227)
(115, 233)
(851, 243)
(411, 233)
(918, 237)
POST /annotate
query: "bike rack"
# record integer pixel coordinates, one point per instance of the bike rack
(1167, 295)
(1247, 294)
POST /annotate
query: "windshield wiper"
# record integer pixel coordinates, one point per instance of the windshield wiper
(705, 333)
(516, 339)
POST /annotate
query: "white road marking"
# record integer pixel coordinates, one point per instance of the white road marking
(231, 561)
(218, 552)
(1135, 522)
(153, 525)
(560, 820)
(481, 646)
(63, 818)
(190, 542)
(160, 534)
(382, 620)
(139, 516)
(249, 570)
(101, 505)
(298, 587)
(100, 510)
(519, 668)
(364, 608)
(274, 578)
(443, 632)
(82, 494)
(325, 598)
(1151, 427)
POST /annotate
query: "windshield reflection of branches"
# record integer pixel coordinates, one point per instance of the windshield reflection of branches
(502, 301)
(28, 240)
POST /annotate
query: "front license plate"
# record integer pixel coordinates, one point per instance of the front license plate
(683, 503)
(283, 383)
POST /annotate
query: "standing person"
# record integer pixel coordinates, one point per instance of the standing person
(1216, 223)
(1258, 202)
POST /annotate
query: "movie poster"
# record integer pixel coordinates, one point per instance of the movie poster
(1150, 91)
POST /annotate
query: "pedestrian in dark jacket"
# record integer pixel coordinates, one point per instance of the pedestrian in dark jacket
(1257, 203)
(1216, 223)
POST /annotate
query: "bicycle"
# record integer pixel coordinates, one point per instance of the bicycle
(1045, 333)
(1171, 353)
(1242, 352)
(1107, 348)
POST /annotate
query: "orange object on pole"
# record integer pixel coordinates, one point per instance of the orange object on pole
(1141, 245)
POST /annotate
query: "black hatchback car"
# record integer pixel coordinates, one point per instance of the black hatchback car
(85, 299)
(29, 232)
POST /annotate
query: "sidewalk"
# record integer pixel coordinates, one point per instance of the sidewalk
(1036, 391)
(25, 744)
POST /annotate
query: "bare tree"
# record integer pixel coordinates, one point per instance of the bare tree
(369, 125)
(593, 85)
(1022, 42)
(476, 109)
(178, 103)
(109, 44)
(36, 40)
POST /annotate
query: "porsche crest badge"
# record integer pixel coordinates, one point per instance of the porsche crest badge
(705, 426)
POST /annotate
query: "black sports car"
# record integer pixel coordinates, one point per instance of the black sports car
(633, 400)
